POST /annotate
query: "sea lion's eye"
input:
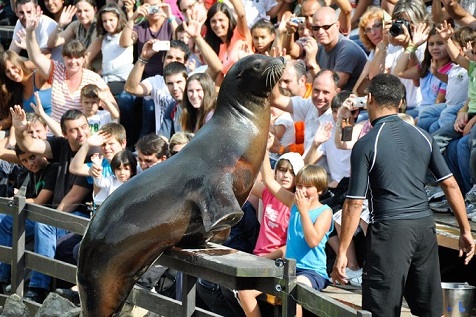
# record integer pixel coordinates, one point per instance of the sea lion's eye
(257, 66)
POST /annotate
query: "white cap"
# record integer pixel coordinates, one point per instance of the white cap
(295, 159)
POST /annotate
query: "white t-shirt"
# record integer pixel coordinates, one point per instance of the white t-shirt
(117, 61)
(457, 88)
(338, 161)
(304, 110)
(414, 96)
(159, 93)
(255, 10)
(42, 32)
(108, 185)
(99, 119)
(289, 136)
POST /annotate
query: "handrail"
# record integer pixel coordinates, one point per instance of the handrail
(279, 280)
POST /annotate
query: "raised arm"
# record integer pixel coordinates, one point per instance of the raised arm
(133, 84)
(92, 51)
(128, 36)
(323, 133)
(446, 31)
(241, 24)
(282, 194)
(280, 101)
(61, 35)
(54, 126)
(24, 140)
(42, 63)
(77, 166)
(456, 11)
(345, 15)
(193, 27)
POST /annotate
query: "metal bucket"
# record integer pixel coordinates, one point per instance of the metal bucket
(457, 299)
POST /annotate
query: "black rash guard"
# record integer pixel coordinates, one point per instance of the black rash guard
(389, 167)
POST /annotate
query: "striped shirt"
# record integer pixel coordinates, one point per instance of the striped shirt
(61, 98)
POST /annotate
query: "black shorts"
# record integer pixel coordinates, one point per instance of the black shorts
(402, 260)
(318, 282)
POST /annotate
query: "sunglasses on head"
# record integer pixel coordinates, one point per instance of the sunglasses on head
(325, 27)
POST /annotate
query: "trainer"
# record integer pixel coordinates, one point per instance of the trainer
(389, 166)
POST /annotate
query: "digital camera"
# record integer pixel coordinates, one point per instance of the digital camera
(397, 27)
(153, 9)
(298, 20)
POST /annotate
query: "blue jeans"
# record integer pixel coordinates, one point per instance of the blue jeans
(148, 117)
(45, 244)
(6, 230)
(428, 115)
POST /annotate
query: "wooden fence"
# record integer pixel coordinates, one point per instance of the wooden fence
(216, 263)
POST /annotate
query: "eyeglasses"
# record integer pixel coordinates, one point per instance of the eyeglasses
(325, 27)
(190, 6)
(373, 28)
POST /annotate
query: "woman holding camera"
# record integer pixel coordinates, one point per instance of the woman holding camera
(158, 23)
(395, 41)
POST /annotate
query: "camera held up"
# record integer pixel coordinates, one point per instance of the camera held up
(397, 27)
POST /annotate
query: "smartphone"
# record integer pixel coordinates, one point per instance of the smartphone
(161, 46)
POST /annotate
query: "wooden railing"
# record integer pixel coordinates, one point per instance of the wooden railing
(216, 263)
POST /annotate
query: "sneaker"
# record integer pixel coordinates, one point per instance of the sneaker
(470, 210)
(354, 277)
(434, 192)
(471, 195)
(440, 206)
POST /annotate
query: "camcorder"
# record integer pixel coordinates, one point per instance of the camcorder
(397, 27)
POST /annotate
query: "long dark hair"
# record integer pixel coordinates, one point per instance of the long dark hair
(13, 92)
(426, 62)
(191, 117)
(212, 39)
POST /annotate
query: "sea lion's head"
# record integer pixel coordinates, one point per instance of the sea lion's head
(255, 74)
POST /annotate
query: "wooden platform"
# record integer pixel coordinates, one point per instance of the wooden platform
(447, 230)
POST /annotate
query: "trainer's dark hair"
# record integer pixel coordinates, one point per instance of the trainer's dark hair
(386, 90)
(71, 115)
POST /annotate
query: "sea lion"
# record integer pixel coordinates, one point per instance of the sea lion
(185, 199)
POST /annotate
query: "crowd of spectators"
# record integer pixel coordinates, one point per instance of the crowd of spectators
(121, 77)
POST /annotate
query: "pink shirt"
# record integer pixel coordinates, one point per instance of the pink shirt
(274, 225)
(228, 55)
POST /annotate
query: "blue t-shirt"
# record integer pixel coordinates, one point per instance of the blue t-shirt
(106, 170)
(297, 248)
(45, 98)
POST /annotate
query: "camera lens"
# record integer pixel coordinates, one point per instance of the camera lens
(396, 29)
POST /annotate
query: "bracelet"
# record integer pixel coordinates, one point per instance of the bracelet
(382, 46)
(59, 28)
(411, 49)
(143, 61)
(171, 19)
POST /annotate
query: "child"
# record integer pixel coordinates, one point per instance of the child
(431, 72)
(309, 227)
(271, 242)
(91, 98)
(112, 139)
(262, 36)
(123, 165)
(117, 61)
(39, 190)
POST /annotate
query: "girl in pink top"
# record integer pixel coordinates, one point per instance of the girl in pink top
(274, 222)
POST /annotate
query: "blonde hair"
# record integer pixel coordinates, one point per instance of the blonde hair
(372, 13)
(313, 175)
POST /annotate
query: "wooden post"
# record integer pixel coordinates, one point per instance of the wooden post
(188, 294)
(18, 245)
(287, 288)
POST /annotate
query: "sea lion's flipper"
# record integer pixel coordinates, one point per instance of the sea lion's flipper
(218, 205)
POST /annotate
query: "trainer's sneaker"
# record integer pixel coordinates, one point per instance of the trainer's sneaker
(470, 210)
(440, 206)
(434, 192)
(354, 277)
(471, 195)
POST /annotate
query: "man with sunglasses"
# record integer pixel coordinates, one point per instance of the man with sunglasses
(332, 50)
